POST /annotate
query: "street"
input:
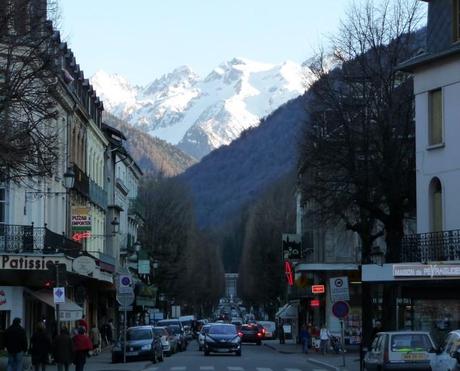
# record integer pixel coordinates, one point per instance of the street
(254, 358)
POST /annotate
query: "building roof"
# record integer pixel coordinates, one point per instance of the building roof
(428, 58)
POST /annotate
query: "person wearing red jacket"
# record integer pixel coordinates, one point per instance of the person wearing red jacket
(81, 345)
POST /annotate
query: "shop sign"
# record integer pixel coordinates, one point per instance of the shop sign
(29, 262)
(314, 303)
(81, 219)
(84, 265)
(317, 289)
(143, 266)
(426, 270)
(339, 288)
(289, 273)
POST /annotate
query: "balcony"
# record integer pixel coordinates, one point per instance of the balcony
(433, 246)
(81, 181)
(28, 239)
(97, 195)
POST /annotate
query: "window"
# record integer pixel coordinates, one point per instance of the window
(2, 205)
(456, 20)
(436, 205)
(435, 117)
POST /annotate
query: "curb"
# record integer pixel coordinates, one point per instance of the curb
(324, 364)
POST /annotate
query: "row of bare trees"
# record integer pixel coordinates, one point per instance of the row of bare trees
(190, 268)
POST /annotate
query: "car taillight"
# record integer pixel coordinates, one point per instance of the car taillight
(240, 334)
(263, 331)
(259, 334)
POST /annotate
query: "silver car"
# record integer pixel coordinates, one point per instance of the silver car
(201, 336)
(168, 340)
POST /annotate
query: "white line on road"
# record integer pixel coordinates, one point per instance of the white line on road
(263, 369)
(235, 368)
(178, 368)
(206, 367)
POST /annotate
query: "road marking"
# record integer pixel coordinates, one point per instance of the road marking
(178, 368)
(235, 368)
(263, 369)
(206, 367)
(298, 369)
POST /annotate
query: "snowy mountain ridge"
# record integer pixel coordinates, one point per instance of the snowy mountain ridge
(201, 114)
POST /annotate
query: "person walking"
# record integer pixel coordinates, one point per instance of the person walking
(16, 345)
(323, 338)
(281, 334)
(63, 350)
(81, 345)
(40, 347)
(304, 338)
(95, 337)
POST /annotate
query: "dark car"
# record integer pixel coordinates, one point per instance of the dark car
(252, 333)
(141, 343)
(180, 337)
(222, 338)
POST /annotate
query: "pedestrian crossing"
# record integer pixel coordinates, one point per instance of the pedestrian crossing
(228, 368)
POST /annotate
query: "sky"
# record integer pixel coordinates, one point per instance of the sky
(144, 39)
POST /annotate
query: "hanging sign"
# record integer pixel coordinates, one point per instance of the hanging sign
(317, 289)
(289, 273)
(81, 219)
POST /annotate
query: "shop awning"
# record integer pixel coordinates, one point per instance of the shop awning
(288, 311)
(68, 311)
(306, 267)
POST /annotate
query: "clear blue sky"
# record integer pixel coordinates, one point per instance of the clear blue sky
(143, 39)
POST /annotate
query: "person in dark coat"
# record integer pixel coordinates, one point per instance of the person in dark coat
(63, 350)
(40, 347)
(16, 344)
(81, 345)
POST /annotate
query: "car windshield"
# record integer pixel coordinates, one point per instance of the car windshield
(138, 334)
(410, 343)
(174, 329)
(270, 326)
(205, 330)
(222, 330)
(159, 331)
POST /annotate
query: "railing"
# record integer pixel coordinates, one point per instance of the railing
(36, 240)
(433, 246)
(97, 195)
(81, 181)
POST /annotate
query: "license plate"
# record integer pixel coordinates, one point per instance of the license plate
(415, 356)
(132, 353)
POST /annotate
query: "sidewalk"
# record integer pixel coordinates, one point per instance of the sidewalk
(331, 361)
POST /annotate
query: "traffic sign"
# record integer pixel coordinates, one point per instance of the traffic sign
(317, 289)
(339, 288)
(59, 295)
(125, 299)
(340, 309)
(125, 284)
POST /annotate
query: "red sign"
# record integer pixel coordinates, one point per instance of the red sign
(78, 236)
(289, 273)
(317, 289)
(314, 303)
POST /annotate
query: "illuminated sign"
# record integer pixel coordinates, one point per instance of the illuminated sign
(78, 236)
(317, 289)
(314, 303)
(289, 273)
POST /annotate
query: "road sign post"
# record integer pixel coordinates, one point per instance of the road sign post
(125, 297)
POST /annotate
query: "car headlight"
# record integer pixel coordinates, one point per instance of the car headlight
(146, 347)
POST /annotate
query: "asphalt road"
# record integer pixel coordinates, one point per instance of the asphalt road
(253, 358)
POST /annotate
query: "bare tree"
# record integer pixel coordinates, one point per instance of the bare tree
(28, 90)
(357, 160)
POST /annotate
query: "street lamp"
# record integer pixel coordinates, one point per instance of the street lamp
(69, 178)
(137, 246)
(116, 225)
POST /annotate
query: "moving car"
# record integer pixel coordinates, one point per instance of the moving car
(222, 338)
(181, 339)
(447, 357)
(168, 340)
(141, 343)
(270, 329)
(201, 335)
(400, 350)
(251, 333)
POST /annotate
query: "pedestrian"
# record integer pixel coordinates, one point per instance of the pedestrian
(16, 345)
(81, 345)
(95, 337)
(377, 328)
(40, 347)
(82, 323)
(63, 350)
(323, 338)
(304, 338)
(281, 332)
(110, 331)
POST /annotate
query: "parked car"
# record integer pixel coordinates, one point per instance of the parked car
(168, 340)
(447, 358)
(400, 350)
(270, 329)
(251, 333)
(222, 338)
(181, 338)
(141, 343)
(201, 335)
(170, 322)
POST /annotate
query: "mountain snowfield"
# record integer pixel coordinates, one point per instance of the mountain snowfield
(201, 114)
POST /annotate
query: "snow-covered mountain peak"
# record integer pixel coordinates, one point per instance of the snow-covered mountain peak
(198, 114)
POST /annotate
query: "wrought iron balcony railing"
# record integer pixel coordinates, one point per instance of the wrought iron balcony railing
(433, 246)
(35, 240)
